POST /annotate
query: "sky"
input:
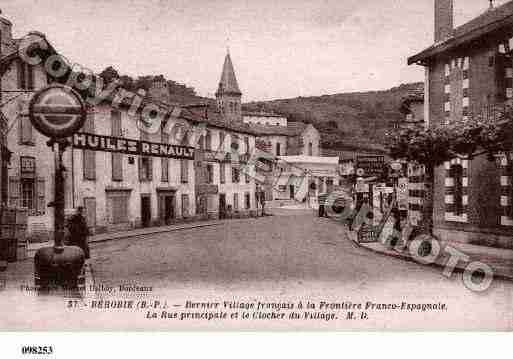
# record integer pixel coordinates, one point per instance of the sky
(280, 48)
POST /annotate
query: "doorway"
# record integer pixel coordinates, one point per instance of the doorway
(145, 210)
(222, 205)
(292, 192)
(168, 209)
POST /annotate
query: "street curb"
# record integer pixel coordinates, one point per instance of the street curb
(458, 268)
(124, 236)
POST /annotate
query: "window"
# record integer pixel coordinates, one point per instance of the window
(119, 209)
(222, 136)
(26, 132)
(145, 169)
(235, 174)
(117, 158)
(208, 141)
(457, 174)
(247, 200)
(210, 173)
(185, 205)
(246, 175)
(222, 172)
(88, 156)
(246, 144)
(278, 149)
(235, 201)
(184, 171)
(310, 149)
(27, 193)
(164, 162)
(25, 76)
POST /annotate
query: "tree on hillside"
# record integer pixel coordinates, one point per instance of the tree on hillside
(109, 74)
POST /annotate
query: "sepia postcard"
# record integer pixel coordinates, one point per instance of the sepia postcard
(256, 165)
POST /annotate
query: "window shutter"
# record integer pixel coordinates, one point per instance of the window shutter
(164, 163)
(222, 172)
(184, 171)
(88, 156)
(117, 158)
(25, 130)
(185, 205)
(140, 166)
(40, 196)
(30, 77)
(14, 191)
(21, 74)
(236, 201)
(150, 168)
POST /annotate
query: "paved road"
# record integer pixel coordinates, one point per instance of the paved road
(291, 257)
(297, 255)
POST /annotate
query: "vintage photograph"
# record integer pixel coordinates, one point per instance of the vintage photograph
(233, 165)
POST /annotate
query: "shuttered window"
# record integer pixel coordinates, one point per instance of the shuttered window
(119, 209)
(26, 131)
(222, 136)
(40, 196)
(208, 141)
(235, 201)
(117, 158)
(247, 200)
(14, 191)
(222, 172)
(246, 144)
(210, 173)
(235, 174)
(165, 161)
(89, 157)
(145, 163)
(184, 171)
(185, 205)
(25, 76)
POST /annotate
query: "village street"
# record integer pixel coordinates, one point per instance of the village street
(294, 255)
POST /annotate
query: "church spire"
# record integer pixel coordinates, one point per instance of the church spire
(228, 83)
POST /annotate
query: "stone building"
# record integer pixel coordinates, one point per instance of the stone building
(264, 118)
(469, 71)
(118, 190)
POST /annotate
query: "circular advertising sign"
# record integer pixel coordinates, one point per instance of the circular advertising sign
(57, 111)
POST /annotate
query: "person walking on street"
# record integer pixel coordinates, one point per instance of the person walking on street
(78, 230)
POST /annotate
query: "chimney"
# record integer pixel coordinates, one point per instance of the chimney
(159, 89)
(5, 33)
(444, 19)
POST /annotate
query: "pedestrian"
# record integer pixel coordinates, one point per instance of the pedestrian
(78, 230)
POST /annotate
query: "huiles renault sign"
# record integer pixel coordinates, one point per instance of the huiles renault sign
(93, 142)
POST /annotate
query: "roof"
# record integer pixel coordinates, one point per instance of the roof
(490, 21)
(262, 114)
(214, 118)
(195, 113)
(292, 129)
(310, 159)
(228, 83)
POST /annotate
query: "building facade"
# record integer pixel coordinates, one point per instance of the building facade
(121, 191)
(264, 118)
(469, 72)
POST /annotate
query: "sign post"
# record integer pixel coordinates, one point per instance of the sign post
(58, 112)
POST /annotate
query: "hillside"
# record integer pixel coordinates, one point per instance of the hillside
(357, 120)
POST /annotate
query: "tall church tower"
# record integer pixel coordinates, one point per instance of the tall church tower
(228, 94)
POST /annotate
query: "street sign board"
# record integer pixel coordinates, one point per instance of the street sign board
(372, 165)
(57, 111)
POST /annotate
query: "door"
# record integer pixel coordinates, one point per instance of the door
(292, 194)
(145, 210)
(222, 205)
(169, 209)
(90, 212)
